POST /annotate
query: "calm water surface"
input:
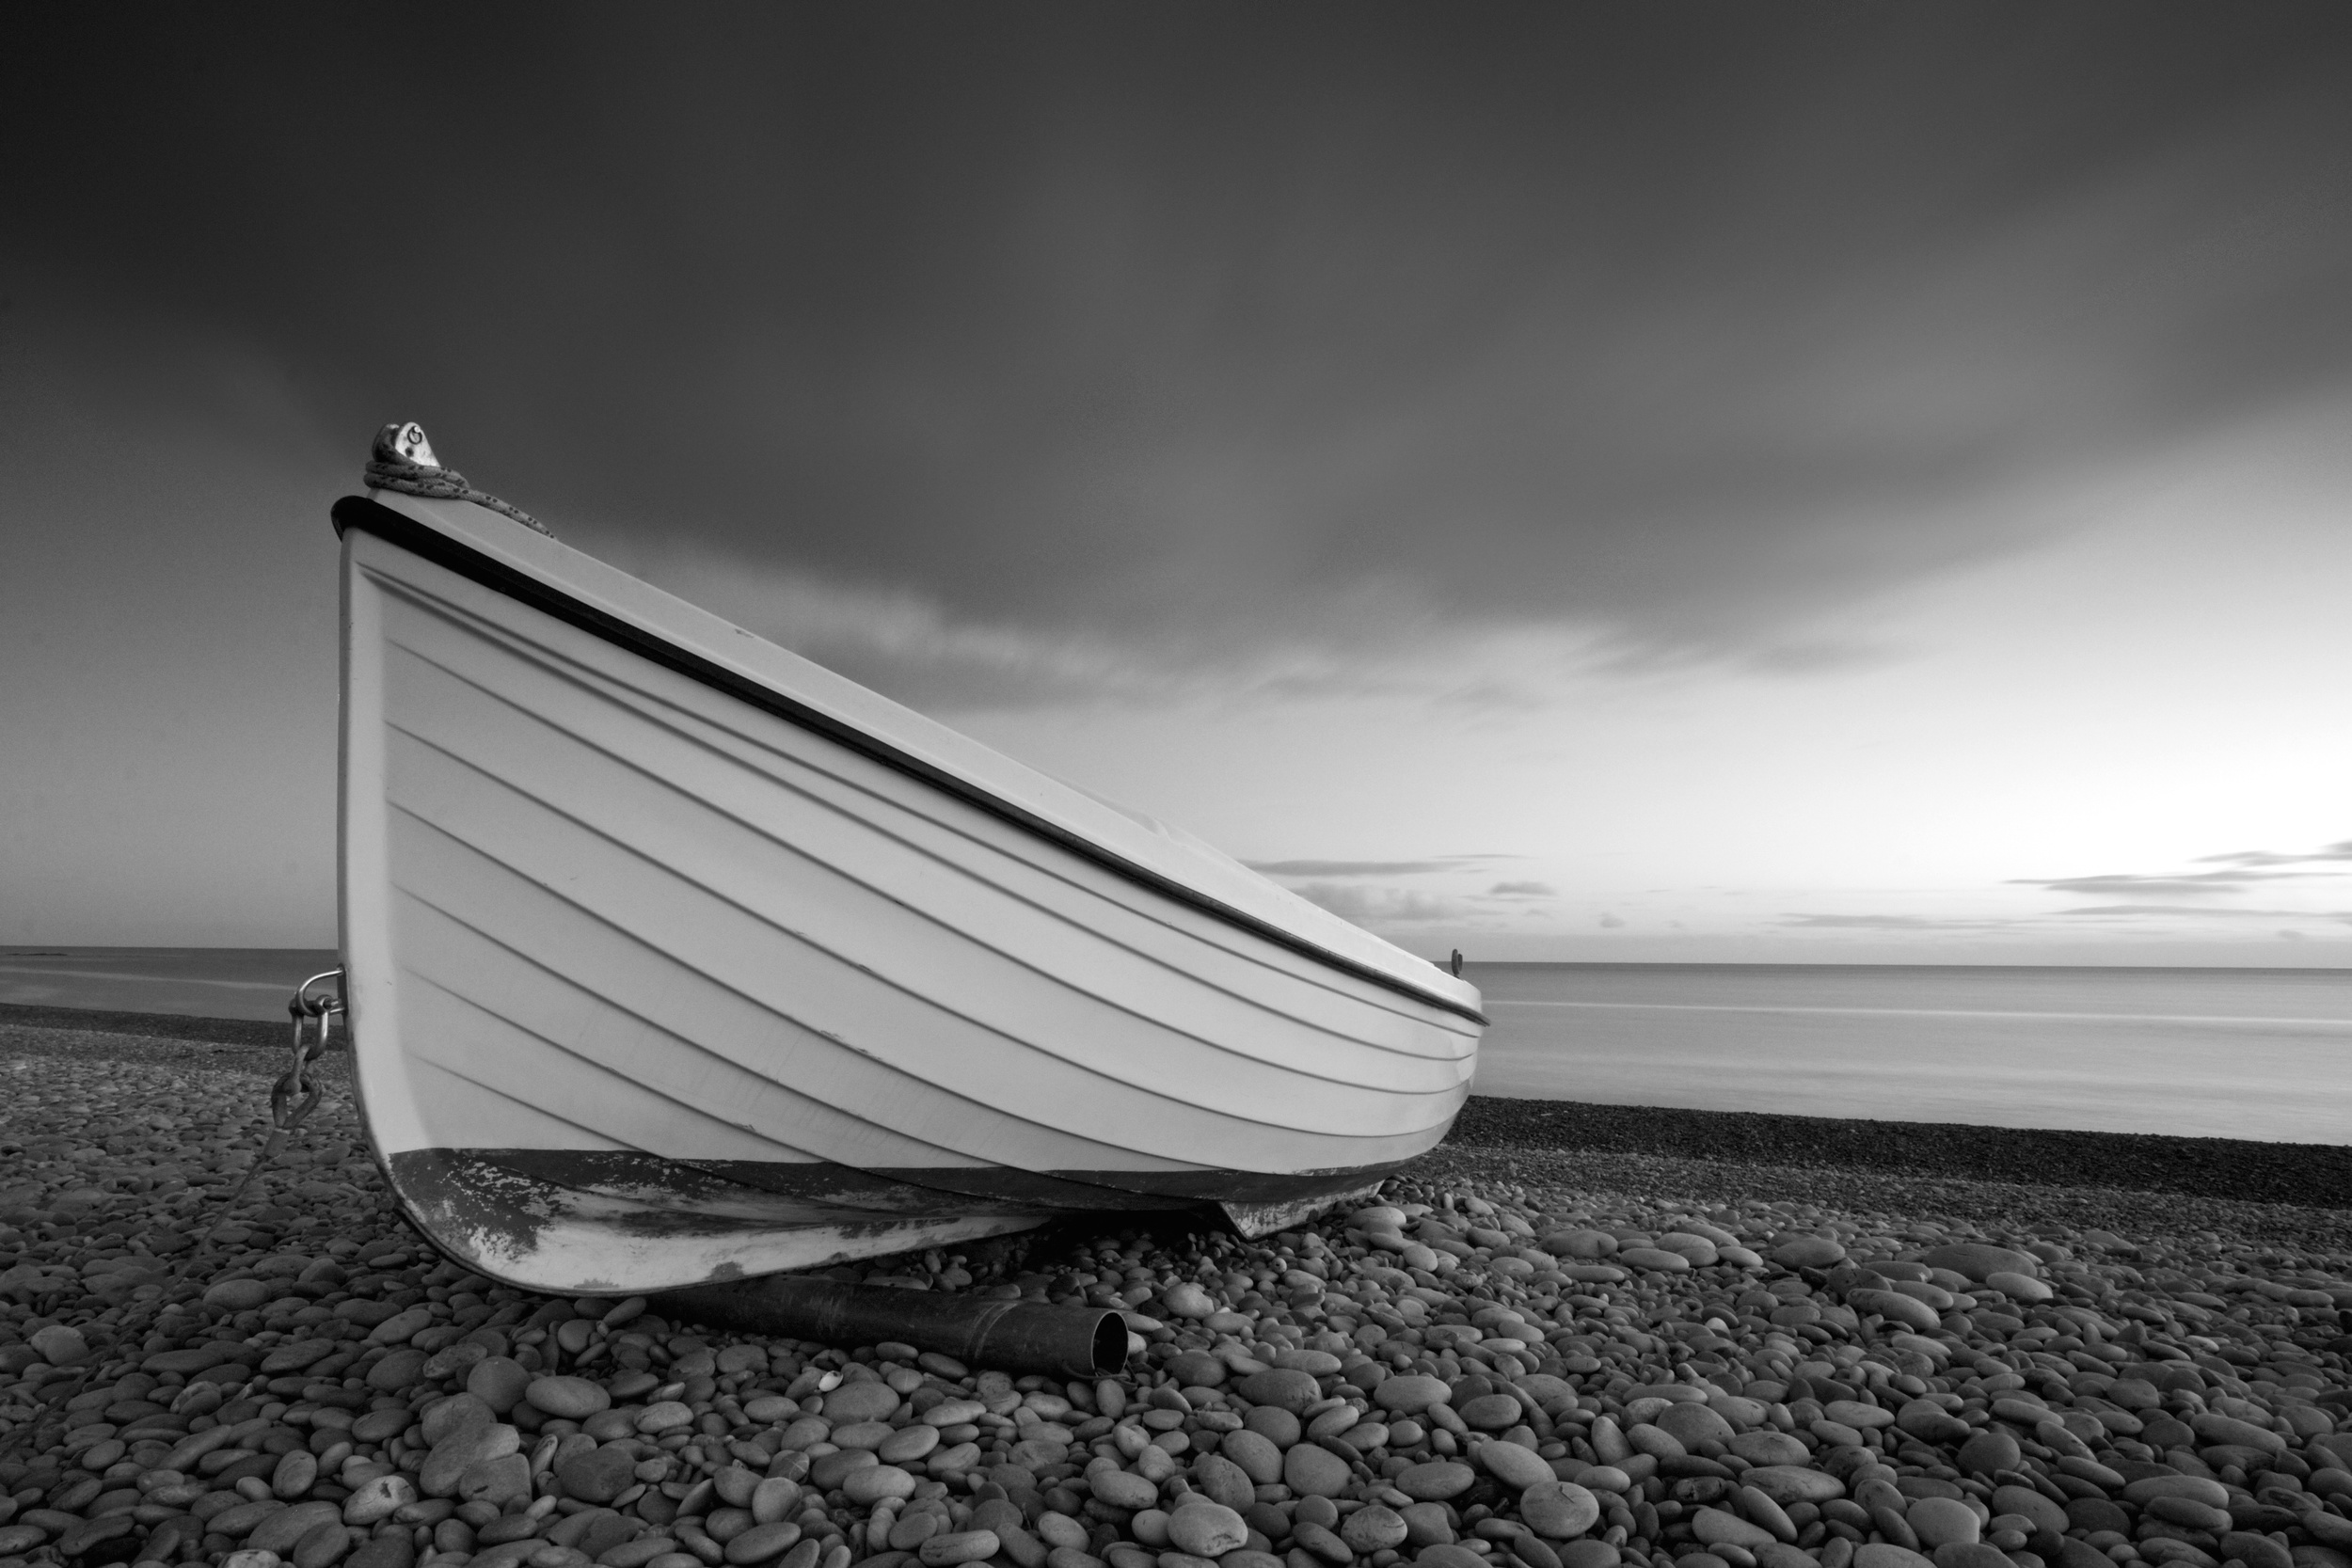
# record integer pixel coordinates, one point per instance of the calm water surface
(2225, 1052)
(203, 982)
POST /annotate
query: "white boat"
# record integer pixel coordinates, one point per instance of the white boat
(672, 957)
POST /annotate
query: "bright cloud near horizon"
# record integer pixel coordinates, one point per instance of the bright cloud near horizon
(1681, 482)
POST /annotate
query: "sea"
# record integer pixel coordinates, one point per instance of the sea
(201, 982)
(2257, 1053)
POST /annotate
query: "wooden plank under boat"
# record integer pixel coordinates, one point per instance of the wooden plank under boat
(673, 958)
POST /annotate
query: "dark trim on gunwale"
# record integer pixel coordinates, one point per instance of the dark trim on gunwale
(372, 517)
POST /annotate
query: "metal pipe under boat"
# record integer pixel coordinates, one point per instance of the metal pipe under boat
(1008, 1336)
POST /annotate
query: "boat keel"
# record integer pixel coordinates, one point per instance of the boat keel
(1254, 1220)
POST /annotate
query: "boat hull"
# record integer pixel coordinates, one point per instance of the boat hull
(654, 986)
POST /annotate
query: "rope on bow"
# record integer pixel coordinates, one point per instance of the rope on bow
(393, 464)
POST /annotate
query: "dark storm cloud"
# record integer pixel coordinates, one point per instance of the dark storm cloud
(1215, 329)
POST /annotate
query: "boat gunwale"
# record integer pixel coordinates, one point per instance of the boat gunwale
(419, 538)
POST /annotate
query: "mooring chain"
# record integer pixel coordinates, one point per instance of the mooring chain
(295, 1094)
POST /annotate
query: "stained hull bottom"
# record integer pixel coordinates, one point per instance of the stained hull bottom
(600, 1223)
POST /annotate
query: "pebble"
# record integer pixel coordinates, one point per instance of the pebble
(281, 1529)
(1717, 1527)
(2022, 1288)
(573, 1399)
(1980, 1260)
(855, 1402)
(1207, 1530)
(1310, 1471)
(1410, 1394)
(60, 1345)
(1808, 1252)
(599, 1474)
(1559, 1509)
(1942, 1521)
(1886, 1554)
(462, 1451)
(960, 1547)
(763, 1542)
(1481, 1370)
(1435, 1481)
(1654, 1258)
(1188, 1299)
(1283, 1388)
(1515, 1466)
(378, 1498)
(1910, 1311)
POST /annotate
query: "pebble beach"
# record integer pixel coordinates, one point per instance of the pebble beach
(1572, 1336)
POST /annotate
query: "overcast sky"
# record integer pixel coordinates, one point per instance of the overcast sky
(1655, 481)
